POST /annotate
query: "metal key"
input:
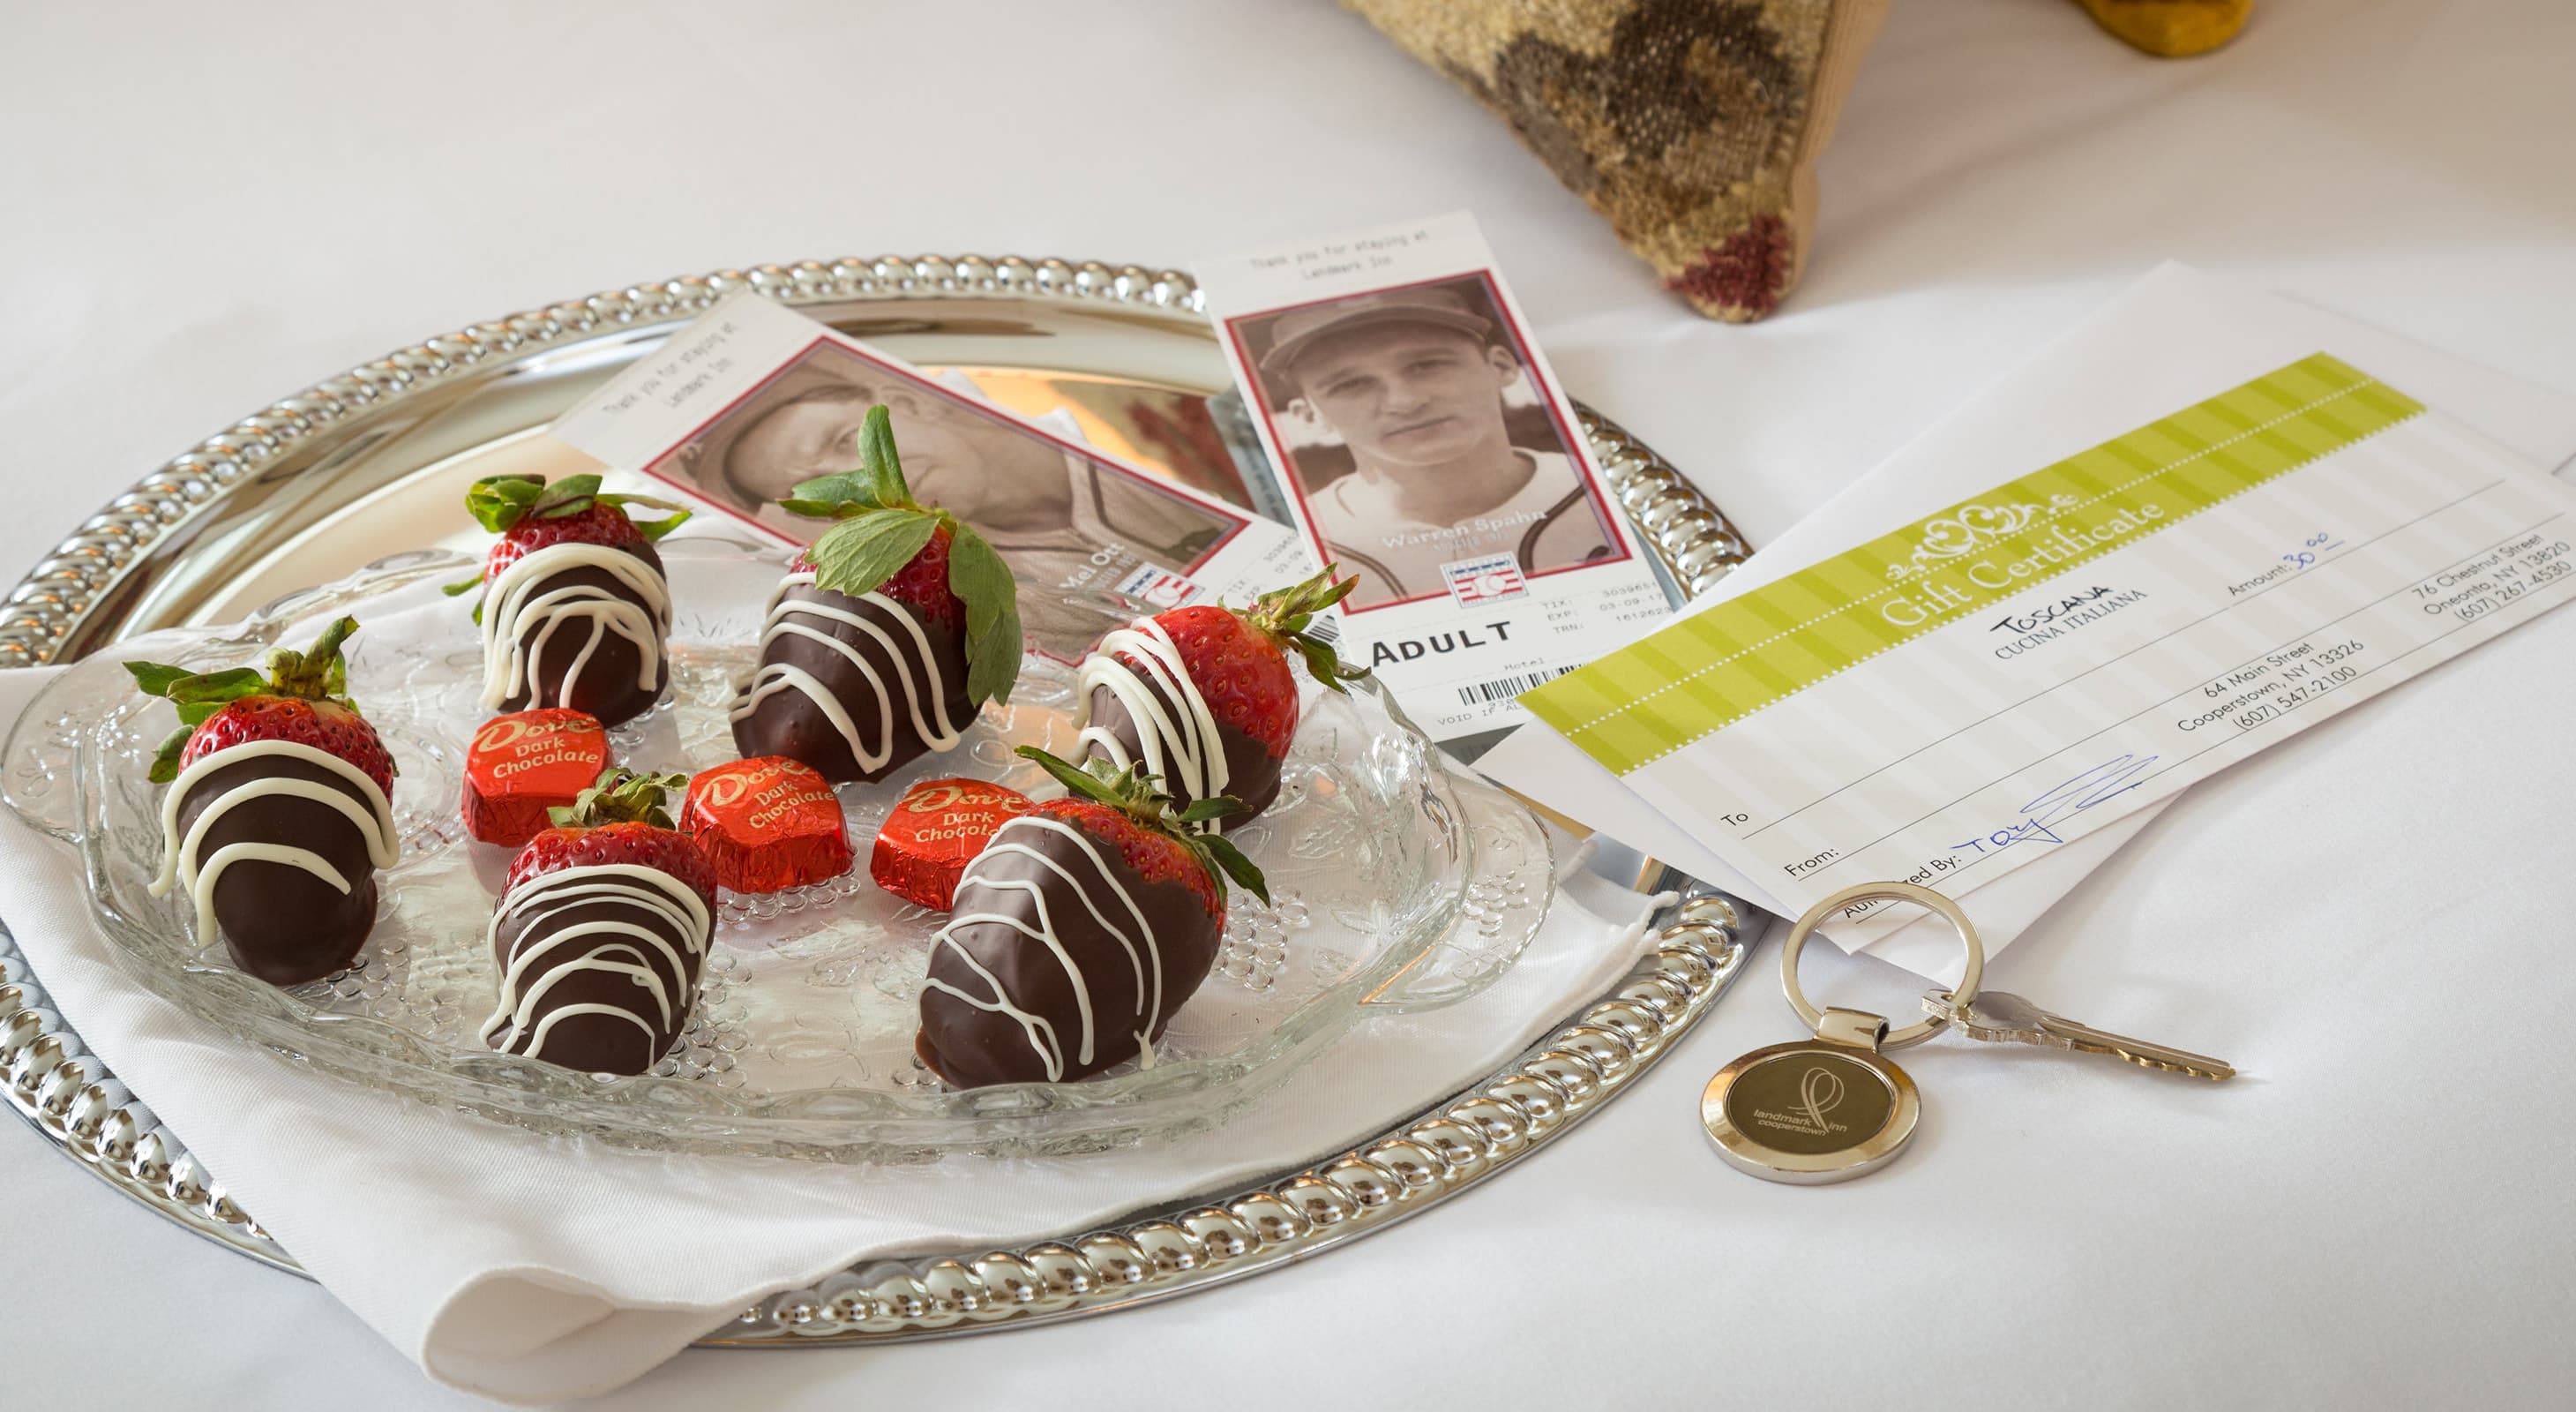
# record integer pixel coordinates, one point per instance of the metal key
(2002, 1017)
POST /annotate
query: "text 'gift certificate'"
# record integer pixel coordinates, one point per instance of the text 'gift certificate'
(1949, 701)
(1426, 448)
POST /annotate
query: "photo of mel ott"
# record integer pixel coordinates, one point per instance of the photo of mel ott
(1417, 438)
(1070, 527)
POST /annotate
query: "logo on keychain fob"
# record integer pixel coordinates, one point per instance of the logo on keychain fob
(1834, 1107)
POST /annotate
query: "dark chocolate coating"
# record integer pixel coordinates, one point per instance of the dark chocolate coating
(281, 923)
(970, 1047)
(592, 1043)
(788, 723)
(607, 688)
(1251, 775)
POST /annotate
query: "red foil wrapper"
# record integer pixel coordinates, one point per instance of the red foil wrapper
(525, 763)
(767, 824)
(935, 831)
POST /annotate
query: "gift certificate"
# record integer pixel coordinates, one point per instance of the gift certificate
(1951, 700)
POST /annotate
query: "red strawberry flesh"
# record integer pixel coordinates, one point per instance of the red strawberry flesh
(1238, 669)
(1155, 857)
(326, 726)
(599, 524)
(921, 584)
(640, 844)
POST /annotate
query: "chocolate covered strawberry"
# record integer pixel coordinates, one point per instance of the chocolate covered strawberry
(601, 932)
(279, 811)
(575, 608)
(887, 635)
(1078, 931)
(1202, 699)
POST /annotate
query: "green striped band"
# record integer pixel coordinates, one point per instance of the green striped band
(1714, 667)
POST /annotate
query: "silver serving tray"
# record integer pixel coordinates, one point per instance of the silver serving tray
(287, 496)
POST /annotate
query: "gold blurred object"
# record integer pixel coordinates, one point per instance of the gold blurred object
(2171, 29)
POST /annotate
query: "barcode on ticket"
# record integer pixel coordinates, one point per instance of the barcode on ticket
(1483, 692)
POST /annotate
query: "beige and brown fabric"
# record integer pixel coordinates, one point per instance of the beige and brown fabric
(1693, 126)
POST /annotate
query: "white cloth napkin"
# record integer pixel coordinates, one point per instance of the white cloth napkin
(531, 1269)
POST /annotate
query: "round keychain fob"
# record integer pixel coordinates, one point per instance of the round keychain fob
(1833, 1107)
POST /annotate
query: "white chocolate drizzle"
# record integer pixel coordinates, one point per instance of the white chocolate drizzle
(513, 608)
(515, 1026)
(182, 860)
(1147, 963)
(1186, 756)
(930, 688)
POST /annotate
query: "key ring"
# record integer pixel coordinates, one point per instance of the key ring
(1913, 1034)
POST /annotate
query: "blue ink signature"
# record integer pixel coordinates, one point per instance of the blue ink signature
(2040, 816)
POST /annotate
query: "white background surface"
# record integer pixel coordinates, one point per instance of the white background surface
(207, 207)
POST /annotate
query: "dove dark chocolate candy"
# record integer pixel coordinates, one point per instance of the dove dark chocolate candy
(767, 824)
(934, 832)
(523, 764)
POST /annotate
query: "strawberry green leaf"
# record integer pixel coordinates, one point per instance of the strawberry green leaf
(993, 660)
(498, 502)
(569, 496)
(834, 497)
(1235, 865)
(618, 796)
(822, 509)
(878, 461)
(468, 586)
(1213, 807)
(855, 556)
(655, 529)
(155, 679)
(1286, 614)
(165, 761)
(1077, 781)
(216, 688)
(979, 578)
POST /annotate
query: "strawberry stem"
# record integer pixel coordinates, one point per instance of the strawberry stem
(318, 673)
(500, 503)
(1284, 615)
(619, 796)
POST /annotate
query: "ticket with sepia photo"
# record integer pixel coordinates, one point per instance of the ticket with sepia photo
(1425, 447)
(753, 398)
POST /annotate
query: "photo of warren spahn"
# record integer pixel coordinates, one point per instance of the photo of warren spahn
(1417, 441)
(1070, 527)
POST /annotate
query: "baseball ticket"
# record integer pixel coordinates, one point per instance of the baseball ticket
(1426, 448)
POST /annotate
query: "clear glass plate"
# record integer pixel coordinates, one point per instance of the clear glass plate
(1398, 883)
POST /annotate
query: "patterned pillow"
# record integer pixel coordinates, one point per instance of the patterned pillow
(1693, 126)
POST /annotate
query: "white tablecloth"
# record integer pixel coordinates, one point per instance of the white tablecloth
(209, 206)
